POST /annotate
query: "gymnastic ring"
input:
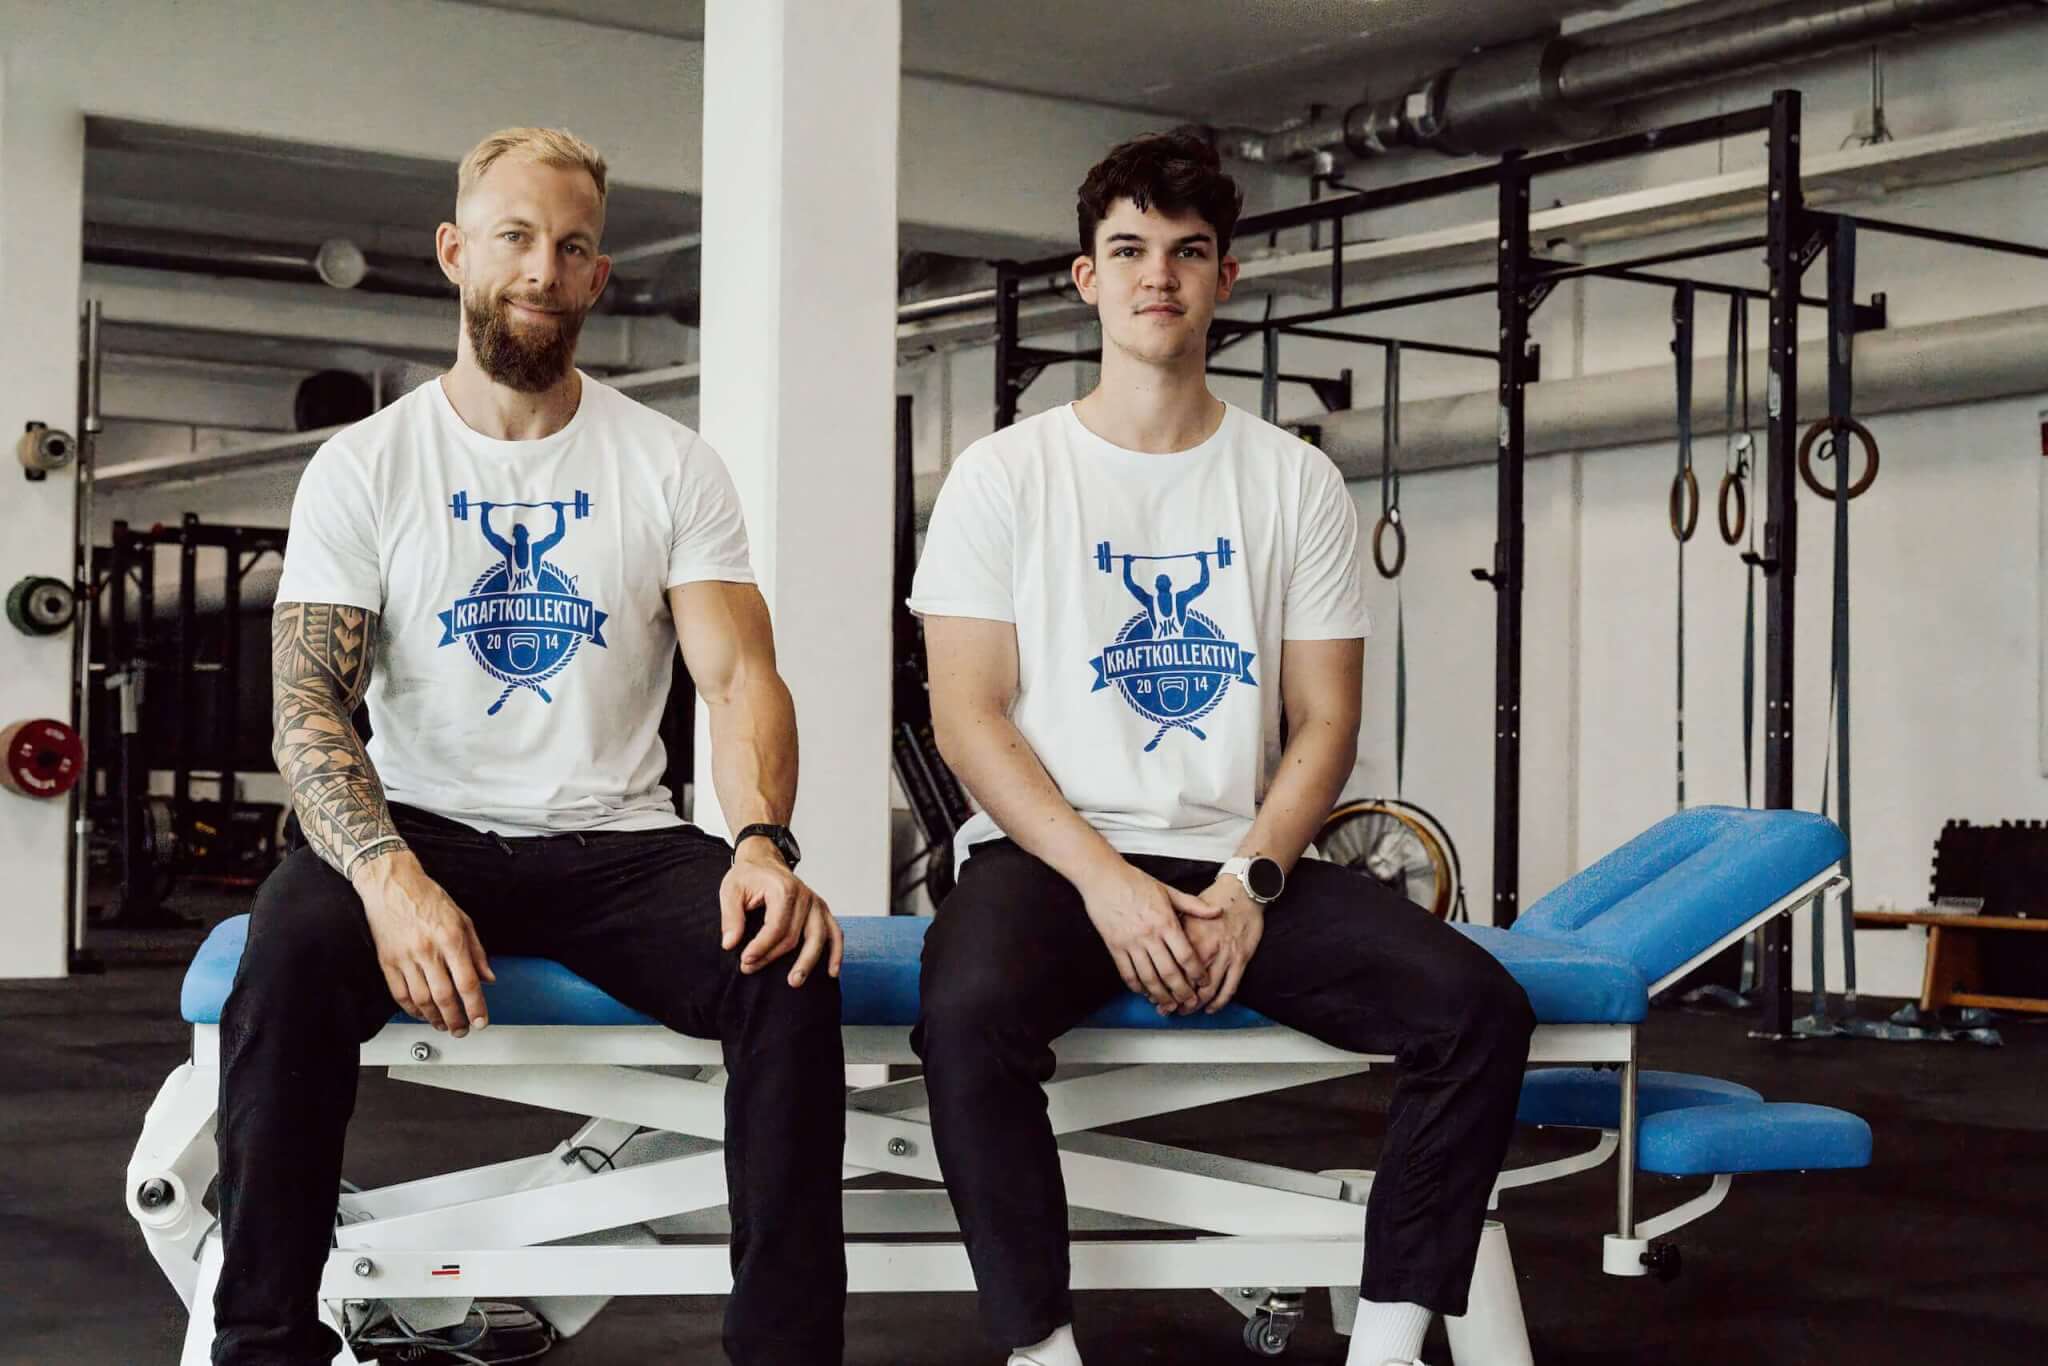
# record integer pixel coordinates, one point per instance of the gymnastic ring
(1685, 492)
(1813, 436)
(1732, 483)
(1379, 531)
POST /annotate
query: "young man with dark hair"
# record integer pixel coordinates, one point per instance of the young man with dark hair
(511, 801)
(1142, 825)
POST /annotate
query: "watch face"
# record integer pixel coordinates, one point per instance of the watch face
(1266, 879)
(792, 852)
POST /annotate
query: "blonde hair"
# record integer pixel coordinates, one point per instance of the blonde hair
(555, 147)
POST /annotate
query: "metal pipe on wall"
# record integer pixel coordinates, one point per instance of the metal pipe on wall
(1966, 360)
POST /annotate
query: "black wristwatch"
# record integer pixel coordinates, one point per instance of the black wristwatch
(777, 835)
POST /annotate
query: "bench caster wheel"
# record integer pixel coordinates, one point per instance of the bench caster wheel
(1664, 1262)
(1265, 1335)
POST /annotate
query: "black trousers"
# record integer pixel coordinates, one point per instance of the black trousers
(635, 913)
(1013, 962)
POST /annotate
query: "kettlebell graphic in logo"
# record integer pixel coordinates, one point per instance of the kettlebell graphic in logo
(524, 619)
(1169, 663)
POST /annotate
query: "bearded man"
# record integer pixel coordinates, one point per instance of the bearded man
(511, 796)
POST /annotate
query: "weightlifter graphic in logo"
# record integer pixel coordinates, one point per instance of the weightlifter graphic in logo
(523, 619)
(1172, 664)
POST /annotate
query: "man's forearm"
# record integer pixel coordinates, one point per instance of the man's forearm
(321, 658)
(754, 752)
(997, 764)
(1317, 761)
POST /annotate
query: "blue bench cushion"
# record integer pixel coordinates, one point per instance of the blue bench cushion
(878, 983)
(1567, 983)
(1677, 889)
(877, 980)
(529, 991)
(1590, 1098)
(1585, 953)
(1752, 1136)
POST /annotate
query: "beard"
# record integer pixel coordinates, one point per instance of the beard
(527, 357)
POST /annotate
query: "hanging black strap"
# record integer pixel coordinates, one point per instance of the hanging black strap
(1747, 455)
(1390, 518)
(1841, 397)
(1390, 438)
(1685, 498)
(1741, 471)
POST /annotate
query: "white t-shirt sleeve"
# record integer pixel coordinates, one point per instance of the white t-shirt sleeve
(708, 542)
(965, 568)
(331, 554)
(1326, 588)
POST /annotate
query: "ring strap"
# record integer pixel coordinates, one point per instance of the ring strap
(1682, 315)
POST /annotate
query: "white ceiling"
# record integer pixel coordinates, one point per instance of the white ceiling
(1252, 62)
(1221, 61)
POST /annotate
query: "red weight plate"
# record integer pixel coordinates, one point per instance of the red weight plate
(40, 758)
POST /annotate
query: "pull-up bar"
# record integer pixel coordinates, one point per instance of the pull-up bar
(1960, 239)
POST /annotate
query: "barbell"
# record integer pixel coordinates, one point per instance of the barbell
(1105, 558)
(459, 506)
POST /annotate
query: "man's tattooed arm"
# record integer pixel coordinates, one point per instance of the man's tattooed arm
(321, 658)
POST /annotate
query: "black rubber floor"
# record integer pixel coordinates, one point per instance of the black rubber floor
(1937, 1254)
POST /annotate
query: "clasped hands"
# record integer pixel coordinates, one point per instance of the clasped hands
(1181, 951)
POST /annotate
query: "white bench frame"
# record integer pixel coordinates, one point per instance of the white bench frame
(1258, 1234)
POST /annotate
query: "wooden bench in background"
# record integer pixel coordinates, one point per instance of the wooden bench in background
(1955, 954)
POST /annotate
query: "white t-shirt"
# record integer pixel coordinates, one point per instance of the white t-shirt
(524, 654)
(1149, 687)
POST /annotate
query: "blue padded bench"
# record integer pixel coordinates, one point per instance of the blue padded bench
(1698, 1126)
(1589, 955)
(878, 983)
(1590, 1098)
(1590, 952)
(1752, 1136)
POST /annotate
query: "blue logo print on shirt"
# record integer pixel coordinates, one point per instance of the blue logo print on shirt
(523, 620)
(1172, 664)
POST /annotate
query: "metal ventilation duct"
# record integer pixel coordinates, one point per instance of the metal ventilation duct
(1562, 89)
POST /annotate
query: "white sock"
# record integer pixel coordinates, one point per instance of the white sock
(1387, 1332)
(1057, 1350)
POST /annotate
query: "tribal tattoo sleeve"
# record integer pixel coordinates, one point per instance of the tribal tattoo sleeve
(321, 658)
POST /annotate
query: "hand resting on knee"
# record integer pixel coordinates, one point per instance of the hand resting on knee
(428, 948)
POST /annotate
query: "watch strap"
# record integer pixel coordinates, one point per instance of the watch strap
(1241, 869)
(777, 835)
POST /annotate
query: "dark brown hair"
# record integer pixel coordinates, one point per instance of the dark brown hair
(1174, 172)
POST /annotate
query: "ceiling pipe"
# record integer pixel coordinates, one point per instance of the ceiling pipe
(340, 264)
(673, 293)
(1556, 89)
(1744, 42)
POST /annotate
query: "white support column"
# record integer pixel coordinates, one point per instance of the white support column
(42, 184)
(799, 364)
